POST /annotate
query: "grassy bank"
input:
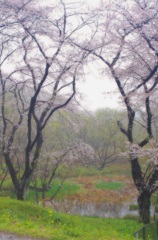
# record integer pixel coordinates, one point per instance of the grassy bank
(25, 218)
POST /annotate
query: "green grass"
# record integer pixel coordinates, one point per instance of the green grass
(30, 220)
(109, 185)
(116, 169)
(80, 171)
(64, 189)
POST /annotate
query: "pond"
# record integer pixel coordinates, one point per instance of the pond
(108, 210)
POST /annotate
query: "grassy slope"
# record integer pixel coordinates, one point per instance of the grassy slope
(27, 219)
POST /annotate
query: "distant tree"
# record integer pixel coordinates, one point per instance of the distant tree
(100, 131)
(60, 133)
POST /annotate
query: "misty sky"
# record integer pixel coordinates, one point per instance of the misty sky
(98, 91)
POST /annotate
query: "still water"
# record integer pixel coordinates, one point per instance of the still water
(108, 210)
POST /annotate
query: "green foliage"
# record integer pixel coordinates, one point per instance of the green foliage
(110, 185)
(27, 219)
(102, 133)
(59, 132)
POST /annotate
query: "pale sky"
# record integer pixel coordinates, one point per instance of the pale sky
(98, 91)
(96, 94)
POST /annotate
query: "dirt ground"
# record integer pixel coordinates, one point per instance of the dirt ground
(92, 194)
(12, 236)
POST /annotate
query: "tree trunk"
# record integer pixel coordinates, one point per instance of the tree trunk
(144, 207)
(22, 192)
(23, 187)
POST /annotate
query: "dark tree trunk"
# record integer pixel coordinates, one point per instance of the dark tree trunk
(20, 194)
(144, 194)
(23, 187)
(22, 191)
(144, 207)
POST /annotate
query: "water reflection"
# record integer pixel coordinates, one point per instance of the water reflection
(108, 210)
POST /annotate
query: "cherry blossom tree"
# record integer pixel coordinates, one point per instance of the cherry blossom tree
(62, 149)
(39, 68)
(126, 44)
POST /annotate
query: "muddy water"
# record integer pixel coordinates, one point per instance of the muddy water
(107, 210)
